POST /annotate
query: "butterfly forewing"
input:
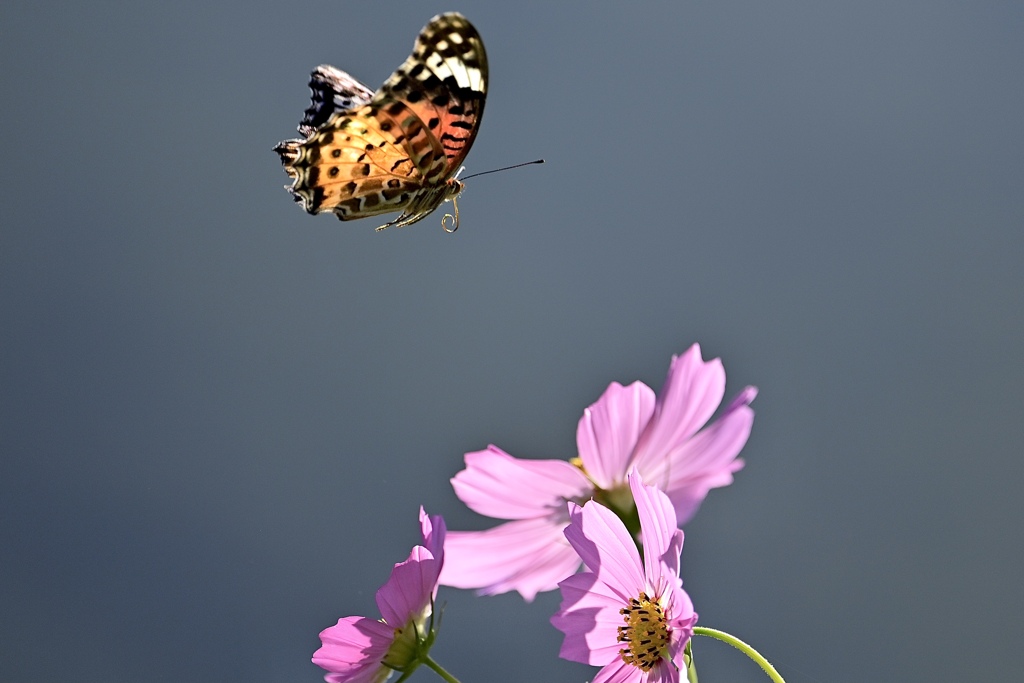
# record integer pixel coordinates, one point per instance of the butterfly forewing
(396, 150)
(443, 85)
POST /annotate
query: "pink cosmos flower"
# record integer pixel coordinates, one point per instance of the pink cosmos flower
(627, 428)
(362, 650)
(627, 615)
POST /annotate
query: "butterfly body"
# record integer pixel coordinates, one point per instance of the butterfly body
(397, 149)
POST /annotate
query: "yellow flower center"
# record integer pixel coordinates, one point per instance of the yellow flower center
(645, 634)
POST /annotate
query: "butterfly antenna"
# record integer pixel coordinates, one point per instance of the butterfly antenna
(450, 222)
(507, 168)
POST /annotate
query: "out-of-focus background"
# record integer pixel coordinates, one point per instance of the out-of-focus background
(219, 415)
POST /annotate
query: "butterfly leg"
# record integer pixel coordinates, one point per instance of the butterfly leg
(404, 220)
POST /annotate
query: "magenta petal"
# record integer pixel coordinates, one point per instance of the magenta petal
(584, 641)
(407, 593)
(609, 430)
(658, 524)
(589, 617)
(692, 392)
(585, 591)
(528, 556)
(353, 648)
(657, 517)
(709, 459)
(664, 672)
(604, 545)
(620, 672)
(497, 485)
(433, 529)
(744, 398)
(672, 557)
(681, 610)
(682, 622)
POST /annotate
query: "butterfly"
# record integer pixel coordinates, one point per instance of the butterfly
(401, 148)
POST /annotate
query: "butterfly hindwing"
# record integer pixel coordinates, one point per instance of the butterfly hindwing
(358, 167)
(333, 91)
(400, 148)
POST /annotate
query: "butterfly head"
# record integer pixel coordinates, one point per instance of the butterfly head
(453, 188)
(454, 185)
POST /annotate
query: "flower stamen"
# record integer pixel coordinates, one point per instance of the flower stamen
(646, 633)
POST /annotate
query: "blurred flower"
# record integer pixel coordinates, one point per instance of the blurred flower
(627, 428)
(628, 615)
(363, 650)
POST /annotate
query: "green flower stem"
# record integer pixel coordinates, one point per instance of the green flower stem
(439, 670)
(742, 647)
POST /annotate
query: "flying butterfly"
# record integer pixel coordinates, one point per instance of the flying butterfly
(401, 148)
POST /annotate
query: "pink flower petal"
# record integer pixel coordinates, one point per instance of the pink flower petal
(658, 522)
(585, 591)
(672, 556)
(528, 556)
(407, 593)
(433, 529)
(497, 485)
(664, 672)
(604, 545)
(620, 672)
(708, 459)
(693, 391)
(589, 617)
(681, 610)
(585, 642)
(353, 649)
(610, 428)
(682, 621)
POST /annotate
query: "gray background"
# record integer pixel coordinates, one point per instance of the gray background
(219, 415)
